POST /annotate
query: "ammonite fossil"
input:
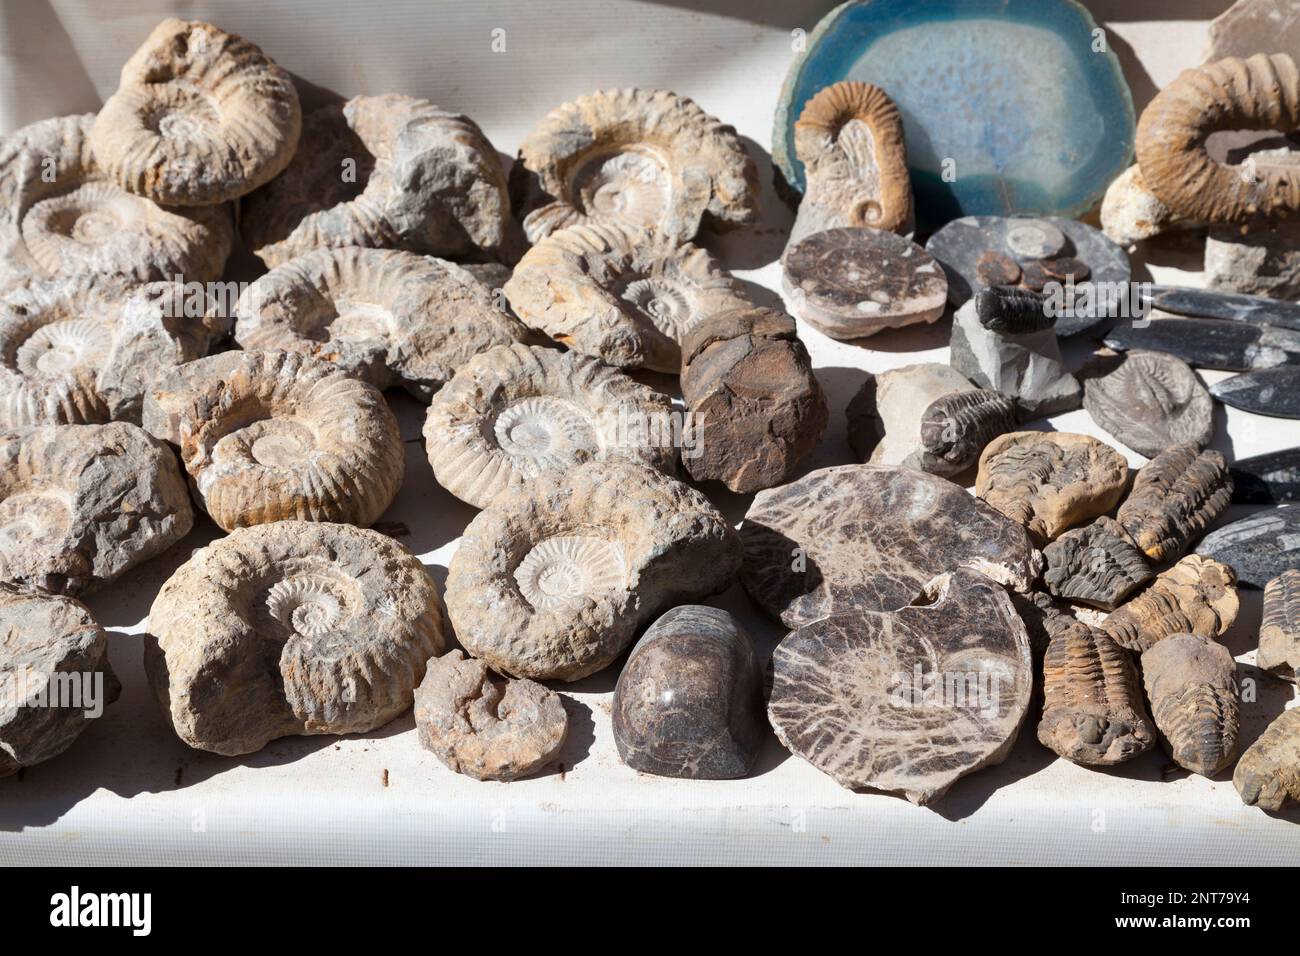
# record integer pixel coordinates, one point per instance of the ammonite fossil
(956, 428)
(1268, 773)
(649, 159)
(516, 412)
(611, 291)
(1191, 682)
(386, 172)
(293, 627)
(1175, 498)
(1149, 401)
(1197, 595)
(388, 317)
(81, 504)
(1095, 565)
(1258, 93)
(554, 581)
(1279, 632)
(269, 436)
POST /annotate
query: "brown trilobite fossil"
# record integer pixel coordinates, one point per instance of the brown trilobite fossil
(1191, 682)
(1095, 565)
(1198, 595)
(1176, 496)
(1268, 773)
(958, 426)
(1279, 632)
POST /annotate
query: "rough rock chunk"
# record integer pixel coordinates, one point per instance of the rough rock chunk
(1149, 401)
(1192, 684)
(1175, 497)
(1095, 565)
(1130, 212)
(886, 413)
(1263, 260)
(1254, 26)
(957, 427)
(1196, 596)
(1279, 634)
(1268, 773)
(1258, 547)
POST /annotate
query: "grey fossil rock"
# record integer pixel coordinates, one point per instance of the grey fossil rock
(1232, 306)
(1254, 26)
(1149, 401)
(885, 416)
(1234, 346)
(1268, 773)
(1269, 391)
(1279, 632)
(1191, 682)
(1131, 212)
(1013, 311)
(1258, 547)
(955, 429)
(1263, 260)
(1095, 565)
(1195, 596)
(1175, 497)
(1270, 478)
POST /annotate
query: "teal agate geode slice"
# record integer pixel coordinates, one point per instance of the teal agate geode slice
(1024, 99)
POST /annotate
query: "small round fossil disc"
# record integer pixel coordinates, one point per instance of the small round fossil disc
(1150, 401)
(1034, 239)
(995, 268)
(851, 283)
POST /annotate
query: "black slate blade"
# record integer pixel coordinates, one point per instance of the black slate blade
(1267, 479)
(1258, 547)
(1270, 391)
(1230, 306)
(1210, 343)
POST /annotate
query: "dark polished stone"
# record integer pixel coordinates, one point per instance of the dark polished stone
(1230, 306)
(1267, 479)
(1258, 547)
(1267, 391)
(1210, 343)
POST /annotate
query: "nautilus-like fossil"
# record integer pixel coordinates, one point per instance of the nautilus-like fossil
(644, 158)
(516, 412)
(1198, 595)
(81, 504)
(614, 292)
(1191, 681)
(388, 172)
(1176, 496)
(293, 627)
(200, 117)
(272, 435)
(553, 582)
(388, 317)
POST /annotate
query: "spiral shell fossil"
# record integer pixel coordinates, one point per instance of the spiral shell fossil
(1279, 632)
(268, 436)
(291, 627)
(1268, 773)
(643, 158)
(1192, 684)
(554, 581)
(386, 172)
(1198, 595)
(200, 117)
(1175, 498)
(516, 412)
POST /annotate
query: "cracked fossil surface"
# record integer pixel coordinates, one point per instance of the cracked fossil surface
(1175, 498)
(1191, 682)
(1268, 773)
(1198, 595)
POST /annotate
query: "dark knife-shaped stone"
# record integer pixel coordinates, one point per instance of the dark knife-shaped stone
(1267, 479)
(1266, 391)
(1210, 343)
(1230, 306)
(1258, 547)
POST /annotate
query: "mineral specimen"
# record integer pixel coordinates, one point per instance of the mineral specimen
(886, 413)
(1175, 498)
(1209, 343)
(1149, 401)
(1258, 547)
(1267, 479)
(956, 427)
(1191, 682)
(1279, 633)
(1267, 391)
(1268, 773)
(1196, 596)
(1095, 565)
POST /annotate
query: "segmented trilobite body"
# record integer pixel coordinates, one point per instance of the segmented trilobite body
(1175, 498)
(1095, 565)
(1019, 473)
(1268, 773)
(956, 427)
(1192, 684)
(1198, 595)
(1279, 631)
(1013, 311)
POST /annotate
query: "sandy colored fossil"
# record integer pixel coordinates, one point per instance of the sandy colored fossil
(294, 627)
(1268, 773)
(200, 117)
(1130, 212)
(1191, 682)
(1279, 633)
(884, 415)
(388, 317)
(486, 728)
(386, 172)
(957, 426)
(1176, 496)
(554, 581)
(270, 435)
(1050, 481)
(515, 412)
(612, 291)
(643, 158)
(1198, 595)
(82, 504)
(756, 408)
(1149, 401)
(1095, 565)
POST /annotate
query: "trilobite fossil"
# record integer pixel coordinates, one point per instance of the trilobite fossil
(1013, 311)
(1175, 498)
(958, 426)
(1279, 633)
(1095, 565)
(1268, 773)
(1191, 682)
(1198, 595)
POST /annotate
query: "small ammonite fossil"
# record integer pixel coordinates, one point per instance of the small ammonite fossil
(552, 582)
(486, 728)
(515, 412)
(1013, 311)
(60, 216)
(200, 117)
(294, 627)
(1261, 92)
(81, 504)
(388, 317)
(1050, 481)
(1268, 773)
(612, 291)
(1149, 401)
(54, 675)
(957, 427)
(1191, 682)
(1095, 565)
(1279, 633)
(1176, 496)
(270, 435)
(649, 159)
(386, 172)
(1198, 595)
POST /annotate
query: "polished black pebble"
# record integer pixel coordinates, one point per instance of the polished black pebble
(1269, 391)
(1210, 343)
(1267, 479)
(1232, 306)
(1258, 547)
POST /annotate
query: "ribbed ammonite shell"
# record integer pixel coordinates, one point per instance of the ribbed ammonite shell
(613, 292)
(269, 436)
(200, 117)
(385, 172)
(644, 158)
(516, 412)
(554, 581)
(287, 628)
(388, 317)
(1191, 682)
(1198, 595)
(1176, 497)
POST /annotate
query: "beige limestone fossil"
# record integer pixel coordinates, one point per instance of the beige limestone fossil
(293, 627)
(385, 172)
(272, 435)
(1268, 773)
(554, 581)
(1279, 632)
(885, 415)
(82, 504)
(1175, 498)
(1198, 595)
(1130, 212)
(516, 412)
(614, 292)
(200, 117)
(487, 728)
(1191, 682)
(649, 159)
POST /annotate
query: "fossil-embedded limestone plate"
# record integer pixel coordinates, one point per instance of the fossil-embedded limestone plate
(1197, 595)
(1149, 401)
(885, 414)
(1176, 496)
(1191, 682)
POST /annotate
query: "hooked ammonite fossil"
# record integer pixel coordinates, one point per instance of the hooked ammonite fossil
(293, 627)
(269, 435)
(388, 172)
(1095, 565)
(649, 159)
(1191, 682)
(1268, 773)
(1198, 595)
(554, 581)
(516, 412)
(1176, 496)
(614, 292)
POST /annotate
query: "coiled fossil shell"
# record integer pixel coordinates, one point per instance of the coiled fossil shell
(1149, 401)
(81, 504)
(1261, 92)
(554, 581)
(956, 427)
(648, 159)
(516, 412)
(384, 172)
(613, 292)
(1192, 684)
(387, 317)
(1176, 496)
(269, 436)
(1279, 633)
(1095, 565)
(1268, 773)
(1198, 595)
(290, 628)
(200, 117)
